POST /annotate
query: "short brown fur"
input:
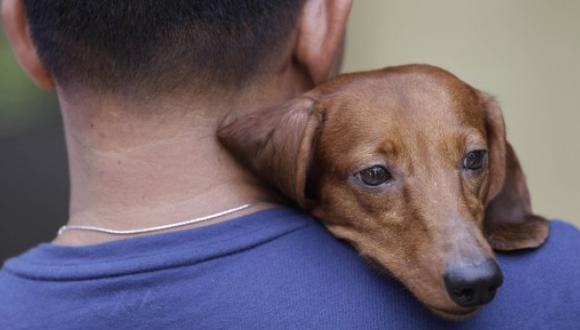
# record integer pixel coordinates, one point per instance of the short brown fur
(418, 121)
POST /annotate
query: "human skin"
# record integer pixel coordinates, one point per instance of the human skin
(138, 163)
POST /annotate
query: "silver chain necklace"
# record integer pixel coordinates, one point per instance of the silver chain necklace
(152, 229)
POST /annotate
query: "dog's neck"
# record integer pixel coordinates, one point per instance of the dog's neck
(142, 164)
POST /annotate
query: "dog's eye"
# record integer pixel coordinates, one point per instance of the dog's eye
(474, 160)
(374, 176)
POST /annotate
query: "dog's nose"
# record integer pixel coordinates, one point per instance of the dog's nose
(471, 285)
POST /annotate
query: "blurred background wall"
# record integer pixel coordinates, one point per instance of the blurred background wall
(33, 169)
(525, 52)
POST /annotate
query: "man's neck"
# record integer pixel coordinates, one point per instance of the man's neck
(136, 166)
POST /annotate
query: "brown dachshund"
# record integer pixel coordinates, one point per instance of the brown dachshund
(408, 164)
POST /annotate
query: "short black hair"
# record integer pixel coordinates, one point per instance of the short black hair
(112, 45)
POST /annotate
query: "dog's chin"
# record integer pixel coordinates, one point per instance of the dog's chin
(454, 315)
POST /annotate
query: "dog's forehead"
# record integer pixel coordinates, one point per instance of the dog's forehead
(406, 95)
(400, 105)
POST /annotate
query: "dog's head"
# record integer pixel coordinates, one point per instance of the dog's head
(411, 166)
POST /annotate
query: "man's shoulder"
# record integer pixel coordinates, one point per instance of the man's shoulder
(542, 284)
(291, 274)
(565, 232)
(541, 287)
(313, 266)
(552, 267)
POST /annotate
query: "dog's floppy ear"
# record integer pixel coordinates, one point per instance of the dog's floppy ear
(277, 143)
(509, 222)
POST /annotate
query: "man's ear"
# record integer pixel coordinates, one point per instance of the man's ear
(277, 143)
(321, 29)
(16, 25)
(509, 222)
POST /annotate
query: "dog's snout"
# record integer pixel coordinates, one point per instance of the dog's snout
(471, 285)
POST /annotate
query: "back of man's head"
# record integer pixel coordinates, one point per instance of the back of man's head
(152, 46)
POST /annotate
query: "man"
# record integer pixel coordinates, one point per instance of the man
(142, 87)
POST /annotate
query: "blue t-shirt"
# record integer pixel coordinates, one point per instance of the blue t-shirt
(275, 269)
